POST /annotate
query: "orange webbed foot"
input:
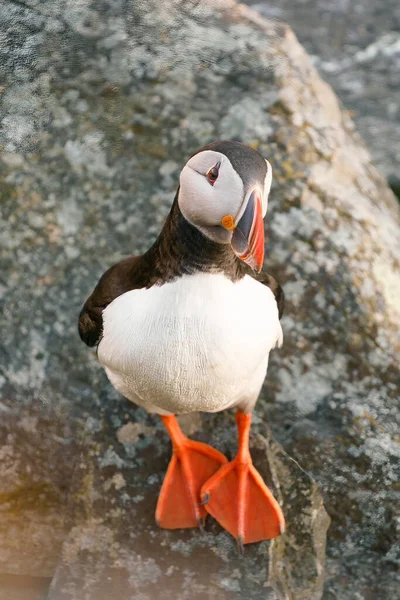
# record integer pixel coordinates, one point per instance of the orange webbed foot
(237, 497)
(191, 465)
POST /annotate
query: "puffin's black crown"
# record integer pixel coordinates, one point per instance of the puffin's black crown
(247, 162)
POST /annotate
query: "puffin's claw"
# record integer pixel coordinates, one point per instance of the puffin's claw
(206, 499)
(240, 545)
(202, 523)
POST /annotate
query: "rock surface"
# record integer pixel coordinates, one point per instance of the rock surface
(101, 106)
(116, 549)
(356, 48)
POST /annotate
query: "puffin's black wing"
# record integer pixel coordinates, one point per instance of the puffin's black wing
(117, 280)
(276, 289)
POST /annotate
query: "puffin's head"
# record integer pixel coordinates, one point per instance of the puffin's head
(223, 192)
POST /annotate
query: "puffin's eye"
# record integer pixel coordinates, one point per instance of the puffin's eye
(212, 174)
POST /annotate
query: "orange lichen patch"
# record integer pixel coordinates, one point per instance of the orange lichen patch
(46, 280)
(53, 233)
(228, 222)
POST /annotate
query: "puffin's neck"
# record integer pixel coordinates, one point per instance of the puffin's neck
(182, 249)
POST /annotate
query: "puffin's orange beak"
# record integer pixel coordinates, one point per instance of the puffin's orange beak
(248, 237)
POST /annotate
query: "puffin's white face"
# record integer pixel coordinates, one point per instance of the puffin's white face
(214, 198)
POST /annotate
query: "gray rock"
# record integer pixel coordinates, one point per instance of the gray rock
(356, 48)
(117, 549)
(102, 106)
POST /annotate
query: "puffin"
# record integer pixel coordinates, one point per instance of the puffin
(188, 327)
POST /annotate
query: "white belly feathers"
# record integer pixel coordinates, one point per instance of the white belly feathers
(199, 343)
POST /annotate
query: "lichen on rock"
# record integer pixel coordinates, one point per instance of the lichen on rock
(102, 106)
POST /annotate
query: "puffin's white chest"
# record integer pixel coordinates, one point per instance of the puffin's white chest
(200, 342)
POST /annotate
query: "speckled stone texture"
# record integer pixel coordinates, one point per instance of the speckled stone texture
(101, 105)
(356, 48)
(115, 548)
